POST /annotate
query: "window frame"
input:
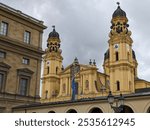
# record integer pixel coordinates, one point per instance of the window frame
(3, 30)
(3, 80)
(25, 59)
(2, 52)
(27, 86)
(26, 74)
(48, 69)
(117, 55)
(4, 69)
(26, 37)
(118, 86)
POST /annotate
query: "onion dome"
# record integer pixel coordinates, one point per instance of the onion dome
(119, 12)
(54, 34)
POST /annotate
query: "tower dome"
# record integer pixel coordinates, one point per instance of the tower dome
(53, 34)
(119, 12)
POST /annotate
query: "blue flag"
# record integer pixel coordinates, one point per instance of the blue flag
(73, 88)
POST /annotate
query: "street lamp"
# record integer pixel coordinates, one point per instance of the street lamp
(119, 104)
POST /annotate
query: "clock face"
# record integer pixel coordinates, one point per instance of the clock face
(116, 46)
(48, 62)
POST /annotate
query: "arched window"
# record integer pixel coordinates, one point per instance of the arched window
(46, 94)
(117, 56)
(118, 85)
(56, 70)
(47, 69)
(127, 109)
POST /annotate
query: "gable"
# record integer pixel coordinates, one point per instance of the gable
(82, 68)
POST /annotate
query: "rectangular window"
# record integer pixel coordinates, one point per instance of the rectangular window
(2, 54)
(23, 86)
(25, 61)
(4, 28)
(27, 36)
(1, 81)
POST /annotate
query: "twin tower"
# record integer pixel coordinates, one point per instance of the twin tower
(120, 67)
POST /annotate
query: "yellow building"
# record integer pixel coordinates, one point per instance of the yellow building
(120, 68)
(82, 88)
(20, 58)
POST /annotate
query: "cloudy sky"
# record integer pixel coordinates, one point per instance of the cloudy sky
(84, 25)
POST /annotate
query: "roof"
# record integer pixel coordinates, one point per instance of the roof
(83, 100)
(142, 90)
(119, 12)
(53, 34)
(21, 14)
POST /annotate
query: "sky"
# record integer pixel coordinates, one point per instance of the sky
(84, 25)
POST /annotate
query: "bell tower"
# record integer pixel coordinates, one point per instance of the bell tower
(120, 61)
(52, 66)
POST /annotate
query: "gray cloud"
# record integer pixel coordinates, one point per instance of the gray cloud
(84, 25)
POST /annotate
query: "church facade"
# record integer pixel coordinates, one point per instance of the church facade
(82, 88)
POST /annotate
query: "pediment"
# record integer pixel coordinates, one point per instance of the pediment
(4, 65)
(25, 70)
(82, 67)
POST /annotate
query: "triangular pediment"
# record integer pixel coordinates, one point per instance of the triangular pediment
(4, 65)
(82, 67)
(26, 70)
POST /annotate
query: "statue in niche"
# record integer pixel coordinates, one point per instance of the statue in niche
(86, 84)
(64, 88)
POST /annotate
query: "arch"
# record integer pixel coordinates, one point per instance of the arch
(71, 111)
(51, 112)
(95, 110)
(127, 109)
(148, 110)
